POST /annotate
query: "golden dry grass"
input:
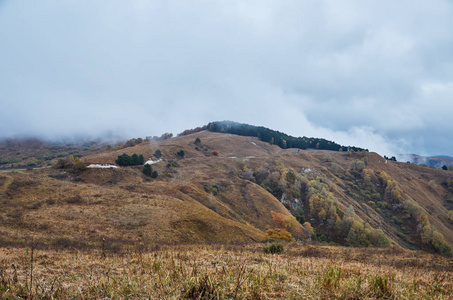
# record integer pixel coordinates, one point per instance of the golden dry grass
(225, 272)
(61, 213)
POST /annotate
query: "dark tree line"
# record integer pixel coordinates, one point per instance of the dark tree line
(393, 158)
(278, 138)
(126, 160)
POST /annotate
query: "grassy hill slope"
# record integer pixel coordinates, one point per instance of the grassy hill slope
(233, 195)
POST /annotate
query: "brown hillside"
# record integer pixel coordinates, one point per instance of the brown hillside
(205, 197)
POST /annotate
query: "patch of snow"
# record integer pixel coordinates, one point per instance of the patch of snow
(102, 166)
(253, 143)
(232, 156)
(152, 162)
(250, 157)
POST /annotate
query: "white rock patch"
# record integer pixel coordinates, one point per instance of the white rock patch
(152, 162)
(102, 166)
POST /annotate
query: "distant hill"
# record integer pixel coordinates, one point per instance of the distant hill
(35, 152)
(437, 161)
(226, 188)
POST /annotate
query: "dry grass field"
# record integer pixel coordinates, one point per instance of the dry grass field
(225, 272)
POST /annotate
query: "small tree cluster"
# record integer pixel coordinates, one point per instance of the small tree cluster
(133, 142)
(276, 179)
(324, 208)
(62, 163)
(288, 223)
(148, 171)
(377, 183)
(356, 167)
(279, 234)
(70, 162)
(190, 131)
(181, 153)
(79, 165)
(429, 235)
(359, 233)
(393, 158)
(322, 204)
(164, 136)
(126, 160)
(212, 188)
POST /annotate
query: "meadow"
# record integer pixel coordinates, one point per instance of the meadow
(225, 272)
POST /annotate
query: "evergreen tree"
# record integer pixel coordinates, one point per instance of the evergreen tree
(158, 154)
(147, 170)
(124, 160)
(134, 159)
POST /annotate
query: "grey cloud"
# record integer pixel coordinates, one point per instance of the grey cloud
(377, 74)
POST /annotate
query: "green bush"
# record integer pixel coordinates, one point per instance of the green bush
(274, 248)
(158, 153)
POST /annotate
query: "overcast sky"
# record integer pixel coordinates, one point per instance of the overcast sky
(375, 74)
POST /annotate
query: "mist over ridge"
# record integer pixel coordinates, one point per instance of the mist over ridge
(377, 76)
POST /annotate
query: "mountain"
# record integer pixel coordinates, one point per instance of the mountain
(215, 187)
(437, 161)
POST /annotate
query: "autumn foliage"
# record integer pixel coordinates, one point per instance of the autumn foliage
(279, 234)
(289, 224)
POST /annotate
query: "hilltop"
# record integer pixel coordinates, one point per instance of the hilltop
(228, 188)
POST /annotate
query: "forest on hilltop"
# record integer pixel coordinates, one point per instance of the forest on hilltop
(278, 138)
